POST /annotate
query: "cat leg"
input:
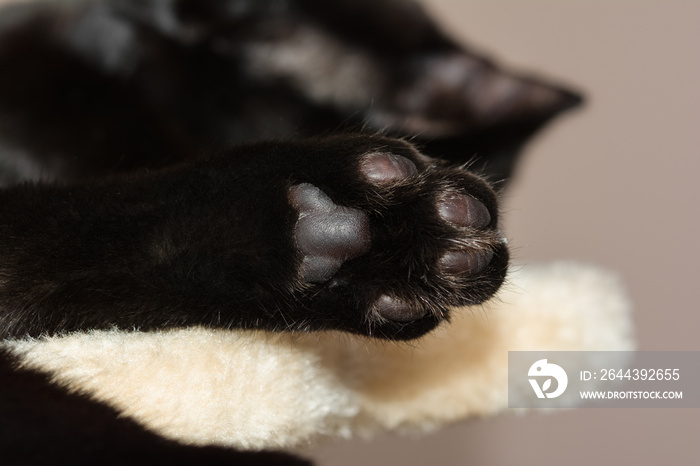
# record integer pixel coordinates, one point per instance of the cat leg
(357, 233)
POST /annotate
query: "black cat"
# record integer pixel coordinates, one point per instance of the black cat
(276, 164)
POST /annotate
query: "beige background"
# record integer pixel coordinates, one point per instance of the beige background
(614, 185)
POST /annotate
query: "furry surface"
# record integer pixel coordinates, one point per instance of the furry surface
(261, 390)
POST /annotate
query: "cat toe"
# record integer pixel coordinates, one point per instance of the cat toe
(467, 262)
(464, 211)
(394, 309)
(386, 167)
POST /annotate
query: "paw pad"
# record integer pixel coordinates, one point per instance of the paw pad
(326, 234)
(464, 211)
(465, 262)
(384, 167)
(396, 310)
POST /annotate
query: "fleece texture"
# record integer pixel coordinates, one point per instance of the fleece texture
(256, 390)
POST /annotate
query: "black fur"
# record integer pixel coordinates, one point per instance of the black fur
(210, 242)
(153, 152)
(119, 85)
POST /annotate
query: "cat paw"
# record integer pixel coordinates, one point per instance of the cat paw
(387, 244)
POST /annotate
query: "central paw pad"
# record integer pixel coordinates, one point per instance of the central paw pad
(326, 234)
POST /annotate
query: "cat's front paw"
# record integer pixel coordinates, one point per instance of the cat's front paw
(393, 240)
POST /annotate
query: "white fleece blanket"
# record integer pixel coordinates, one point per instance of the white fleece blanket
(263, 390)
